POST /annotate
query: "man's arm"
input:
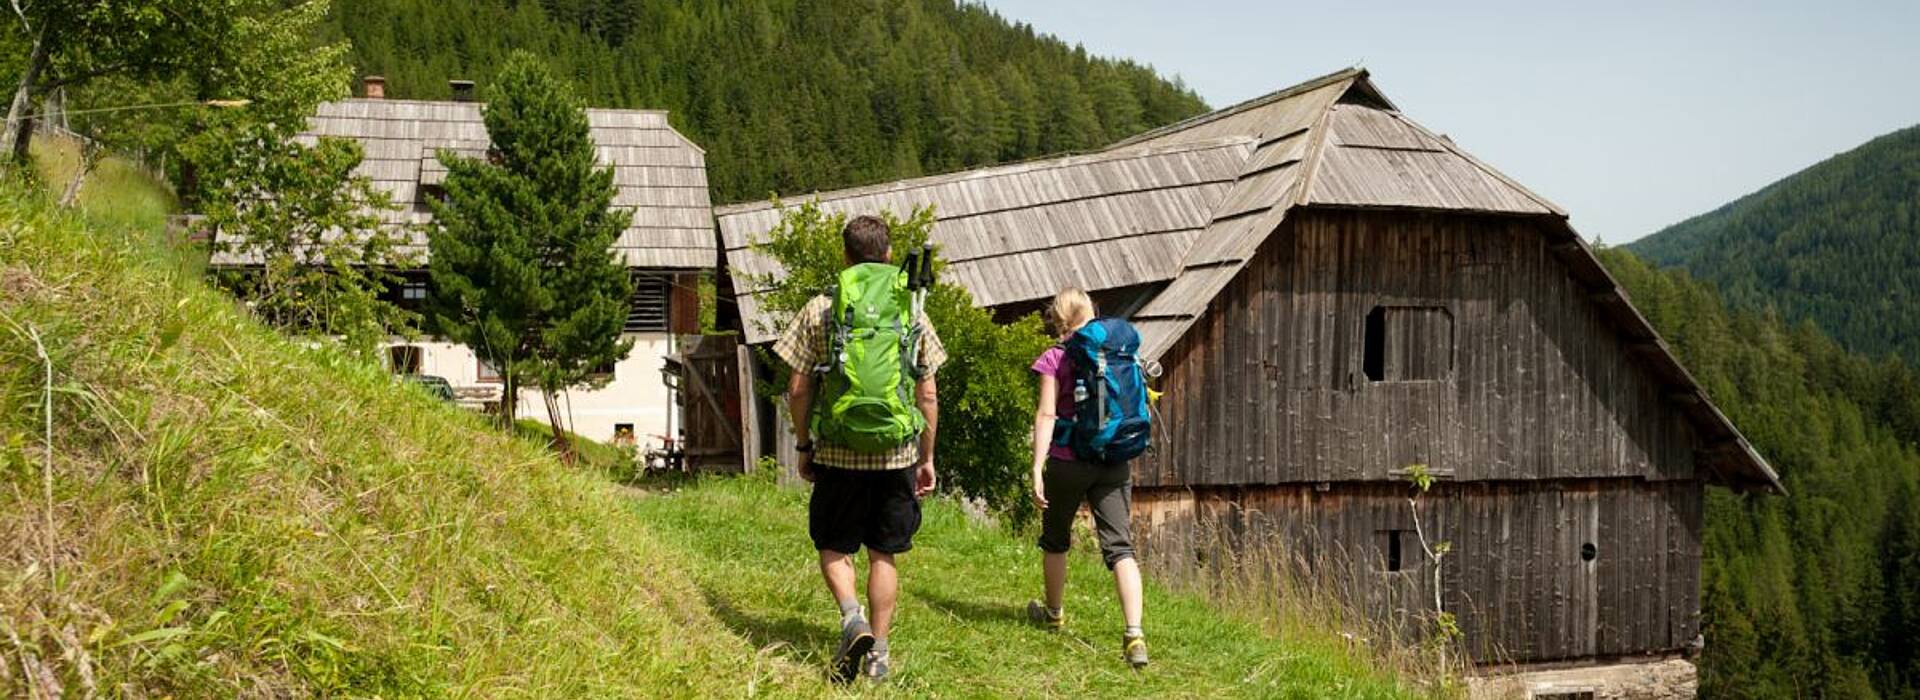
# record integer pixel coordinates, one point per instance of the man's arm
(800, 408)
(927, 396)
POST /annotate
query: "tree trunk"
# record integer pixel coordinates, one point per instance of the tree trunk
(509, 397)
(89, 157)
(19, 133)
(561, 443)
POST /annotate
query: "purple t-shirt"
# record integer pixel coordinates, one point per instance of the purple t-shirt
(1055, 363)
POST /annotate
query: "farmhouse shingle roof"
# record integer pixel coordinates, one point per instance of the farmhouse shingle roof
(1188, 205)
(660, 174)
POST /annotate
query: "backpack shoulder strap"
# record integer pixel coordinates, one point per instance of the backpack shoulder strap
(833, 334)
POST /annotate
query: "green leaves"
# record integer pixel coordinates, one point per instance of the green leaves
(325, 255)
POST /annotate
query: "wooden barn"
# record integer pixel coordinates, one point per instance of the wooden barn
(1337, 295)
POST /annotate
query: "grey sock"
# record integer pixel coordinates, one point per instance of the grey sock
(1134, 631)
(850, 612)
(879, 645)
(1055, 613)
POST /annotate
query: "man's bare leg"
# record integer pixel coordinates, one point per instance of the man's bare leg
(883, 588)
(856, 637)
(837, 569)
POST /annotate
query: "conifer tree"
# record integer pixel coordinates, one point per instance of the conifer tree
(519, 249)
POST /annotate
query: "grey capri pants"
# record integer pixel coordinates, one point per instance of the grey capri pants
(1107, 488)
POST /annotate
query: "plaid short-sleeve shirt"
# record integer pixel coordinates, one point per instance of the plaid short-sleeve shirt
(801, 346)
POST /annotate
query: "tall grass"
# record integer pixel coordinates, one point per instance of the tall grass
(1260, 573)
(232, 514)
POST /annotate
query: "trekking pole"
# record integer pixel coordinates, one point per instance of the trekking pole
(920, 277)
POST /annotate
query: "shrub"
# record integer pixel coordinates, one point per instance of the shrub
(986, 395)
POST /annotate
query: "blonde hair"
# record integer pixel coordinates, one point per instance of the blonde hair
(1071, 309)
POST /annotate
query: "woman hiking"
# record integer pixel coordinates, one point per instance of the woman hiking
(1061, 483)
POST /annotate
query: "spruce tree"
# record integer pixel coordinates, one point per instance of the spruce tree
(519, 250)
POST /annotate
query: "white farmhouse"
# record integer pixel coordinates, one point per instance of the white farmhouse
(661, 176)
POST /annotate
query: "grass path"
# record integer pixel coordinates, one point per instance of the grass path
(960, 630)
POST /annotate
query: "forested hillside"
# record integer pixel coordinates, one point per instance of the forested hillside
(789, 95)
(1816, 594)
(1837, 244)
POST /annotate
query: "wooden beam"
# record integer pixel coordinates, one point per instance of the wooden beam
(1687, 398)
(749, 412)
(1607, 296)
(1565, 247)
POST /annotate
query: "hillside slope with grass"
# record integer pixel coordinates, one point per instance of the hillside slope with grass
(230, 513)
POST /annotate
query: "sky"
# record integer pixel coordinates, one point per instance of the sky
(1629, 115)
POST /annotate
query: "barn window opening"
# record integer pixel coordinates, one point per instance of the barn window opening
(1376, 344)
(1407, 343)
(1588, 552)
(1395, 552)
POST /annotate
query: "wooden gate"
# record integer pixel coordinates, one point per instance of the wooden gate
(714, 390)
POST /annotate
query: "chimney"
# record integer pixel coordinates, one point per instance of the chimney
(376, 87)
(462, 90)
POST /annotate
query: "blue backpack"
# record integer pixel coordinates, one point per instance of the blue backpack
(1110, 422)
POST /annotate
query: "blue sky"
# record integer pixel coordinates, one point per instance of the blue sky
(1631, 115)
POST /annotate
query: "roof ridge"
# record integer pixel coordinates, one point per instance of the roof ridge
(1351, 73)
(991, 171)
(478, 104)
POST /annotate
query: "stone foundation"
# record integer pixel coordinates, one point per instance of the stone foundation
(1649, 680)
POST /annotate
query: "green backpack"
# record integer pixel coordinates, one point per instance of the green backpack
(871, 365)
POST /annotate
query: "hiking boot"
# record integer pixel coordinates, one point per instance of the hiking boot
(1135, 649)
(877, 666)
(856, 639)
(1040, 615)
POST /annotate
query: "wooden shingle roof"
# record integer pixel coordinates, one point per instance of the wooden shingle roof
(1184, 207)
(1020, 232)
(661, 175)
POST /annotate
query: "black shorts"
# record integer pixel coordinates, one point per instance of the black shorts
(854, 507)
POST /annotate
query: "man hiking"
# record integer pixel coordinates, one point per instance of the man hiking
(864, 407)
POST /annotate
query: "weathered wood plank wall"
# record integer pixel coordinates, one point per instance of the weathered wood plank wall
(1531, 382)
(1516, 578)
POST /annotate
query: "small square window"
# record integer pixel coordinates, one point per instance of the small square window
(1399, 551)
(485, 372)
(1408, 343)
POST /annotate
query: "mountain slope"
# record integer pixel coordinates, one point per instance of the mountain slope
(789, 95)
(1837, 244)
(1811, 594)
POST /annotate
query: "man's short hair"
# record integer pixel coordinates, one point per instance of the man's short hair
(866, 239)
